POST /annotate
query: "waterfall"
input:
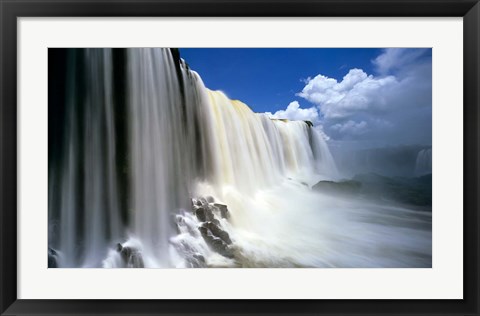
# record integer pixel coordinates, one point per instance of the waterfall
(86, 190)
(169, 148)
(253, 152)
(423, 164)
(156, 170)
(182, 133)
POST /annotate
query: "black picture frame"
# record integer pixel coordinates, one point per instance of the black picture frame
(10, 10)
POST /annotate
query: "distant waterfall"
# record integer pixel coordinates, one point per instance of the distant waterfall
(179, 133)
(423, 164)
(252, 151)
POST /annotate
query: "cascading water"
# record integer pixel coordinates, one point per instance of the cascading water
(253, 152)
(158, 148)
(423, 164)
(85, 186)
(185, 141)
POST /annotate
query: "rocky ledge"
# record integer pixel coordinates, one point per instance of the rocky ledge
(131, 256)
(52, 258)
(208, 213)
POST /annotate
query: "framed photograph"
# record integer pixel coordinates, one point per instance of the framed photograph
(219, 157)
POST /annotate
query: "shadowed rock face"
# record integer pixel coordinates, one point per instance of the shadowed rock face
(216, 238)
(342, 187)
(223, 210)
(208, 213)
(204, 213)
(52, 258)
(201, 232)
(131, 257)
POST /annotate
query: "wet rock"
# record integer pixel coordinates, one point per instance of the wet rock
(200, 214)
(341, 187)
(131, 257)
(202, 201)
(208, 213)
(224, 213)
(216, 238)
(199, 258)
(203, 230)
(204, 213)
(219, 246)
(52, 258)
(204, 209)
(196, 261)
(218, 232)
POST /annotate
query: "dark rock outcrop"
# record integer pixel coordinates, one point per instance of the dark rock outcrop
(209, 214)
(203, 213)
(217, 232)
(131, 257)
(216, 238)
(52, 258)
(223, 210)
(342, 187)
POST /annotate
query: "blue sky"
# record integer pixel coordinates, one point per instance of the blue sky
(377, 96)
(268, 79)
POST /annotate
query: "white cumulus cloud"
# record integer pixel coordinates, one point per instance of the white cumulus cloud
(351, 127)
(393, 105)
(295, 113)
(356, 92)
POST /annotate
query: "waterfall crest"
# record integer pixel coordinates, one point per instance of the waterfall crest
(253, 151)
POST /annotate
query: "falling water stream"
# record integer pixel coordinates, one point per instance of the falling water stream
(183, 142)
(423, 164)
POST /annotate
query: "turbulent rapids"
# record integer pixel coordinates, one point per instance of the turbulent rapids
(152, 169)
